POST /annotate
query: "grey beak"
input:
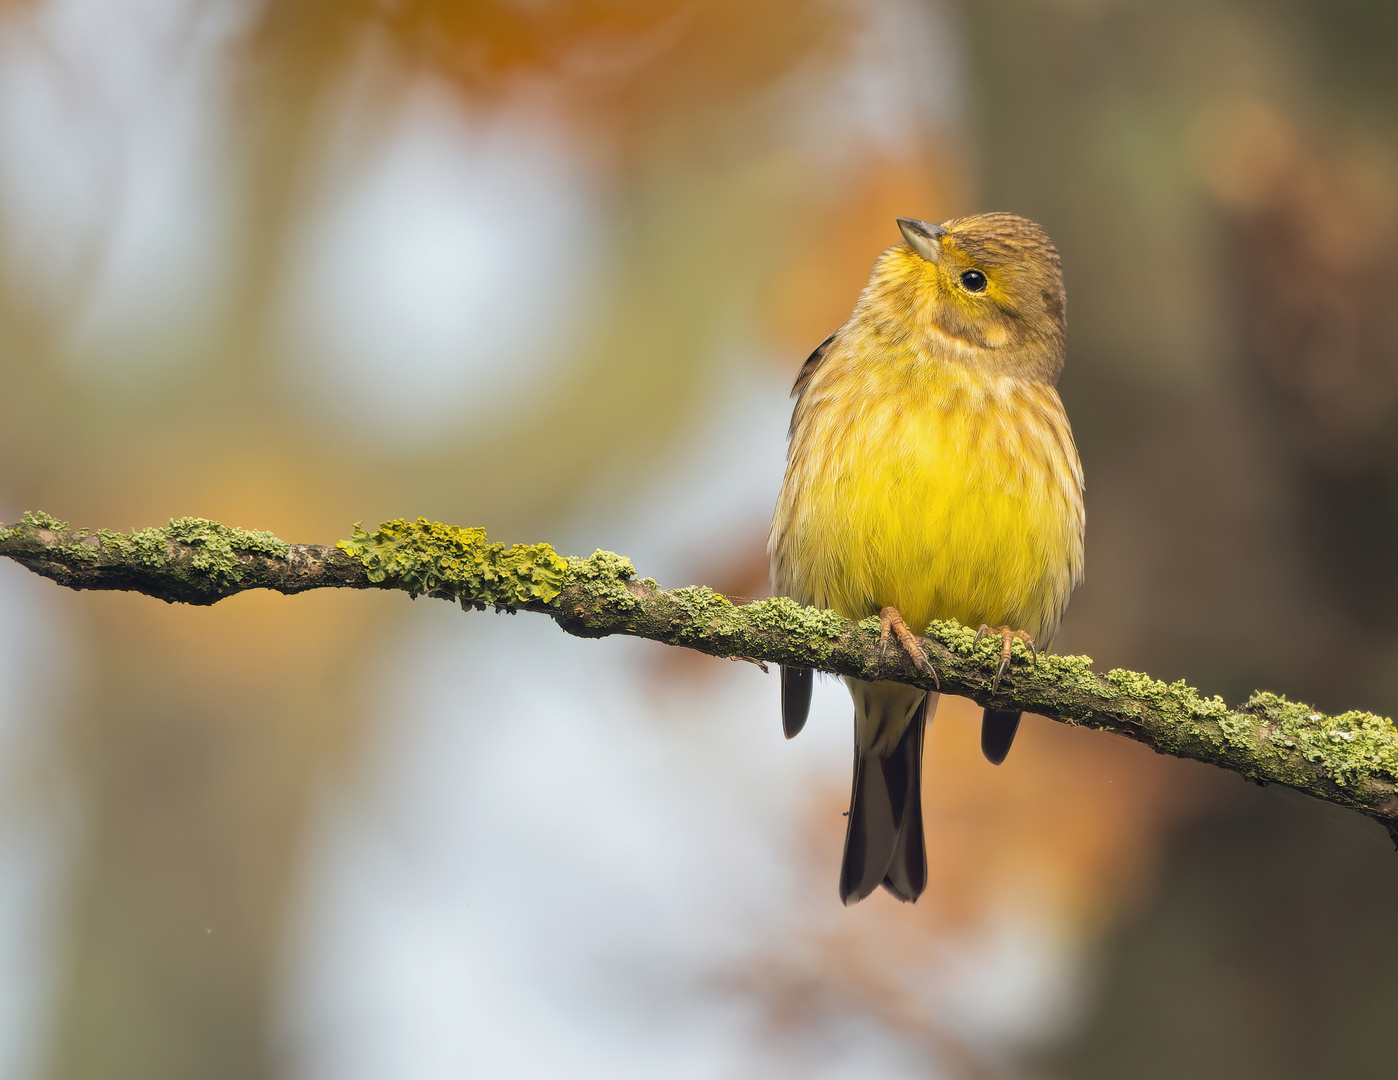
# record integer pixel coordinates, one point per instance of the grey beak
(922, 237)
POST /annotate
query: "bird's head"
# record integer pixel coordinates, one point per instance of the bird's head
(990, 286)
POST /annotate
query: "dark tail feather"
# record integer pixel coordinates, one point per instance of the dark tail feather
(998, 734)
(796, 698)
(907, 873)
(883, 841)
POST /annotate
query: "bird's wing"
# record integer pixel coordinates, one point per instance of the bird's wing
(796, 681)
(808, 369)
(796, 699)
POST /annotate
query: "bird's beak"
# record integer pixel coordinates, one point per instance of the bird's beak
(923, 238)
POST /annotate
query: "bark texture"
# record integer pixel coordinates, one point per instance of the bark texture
(1350, 759)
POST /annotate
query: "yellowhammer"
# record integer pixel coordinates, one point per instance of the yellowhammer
(931, 475)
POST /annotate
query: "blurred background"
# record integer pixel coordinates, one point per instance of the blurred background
(550, 267)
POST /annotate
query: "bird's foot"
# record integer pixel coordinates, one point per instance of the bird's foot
(891, 624)
(1007, 636)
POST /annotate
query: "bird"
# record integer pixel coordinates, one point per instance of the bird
(931, 474)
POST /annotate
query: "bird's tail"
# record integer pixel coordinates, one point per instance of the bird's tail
(883, 840)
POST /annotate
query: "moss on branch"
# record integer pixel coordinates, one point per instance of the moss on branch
(1350, 759)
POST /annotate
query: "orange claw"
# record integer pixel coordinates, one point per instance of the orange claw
(1006, 637)
(890, 622)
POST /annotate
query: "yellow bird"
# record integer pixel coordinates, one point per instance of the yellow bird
(931, 474)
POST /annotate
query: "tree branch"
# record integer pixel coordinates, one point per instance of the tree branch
(1350, 759)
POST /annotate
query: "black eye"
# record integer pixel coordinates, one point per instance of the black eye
(973, 281)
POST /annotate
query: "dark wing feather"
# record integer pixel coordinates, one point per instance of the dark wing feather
(796, 681)
(998, 729)
(796, 699)
(813, 361)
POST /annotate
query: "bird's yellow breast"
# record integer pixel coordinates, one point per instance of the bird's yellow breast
(927, 485)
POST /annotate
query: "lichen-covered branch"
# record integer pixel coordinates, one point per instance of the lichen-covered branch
(1350, 759)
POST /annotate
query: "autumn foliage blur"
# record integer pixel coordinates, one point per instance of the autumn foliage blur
(1222, 188)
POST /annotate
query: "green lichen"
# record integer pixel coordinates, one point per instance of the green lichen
(1176, 701)
(214, 547)
(603, 576)
(704, 608)
(425, 556)
(73, 551)
(781, 613)
(1136, 685)
(1070, 673)
(1043, 673)
(1350, 759)
(1265, 736)
(79, 552)
(1209, 708)
(146, 547)
(602, 565)
(1240, 732)
(1355, 747)
(957, 638)
(1180, 719)
(41, 520)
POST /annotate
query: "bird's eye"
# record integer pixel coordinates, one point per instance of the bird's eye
(973, 281)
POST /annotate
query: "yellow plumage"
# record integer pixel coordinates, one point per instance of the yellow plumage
(915, 485)
(932, 469)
